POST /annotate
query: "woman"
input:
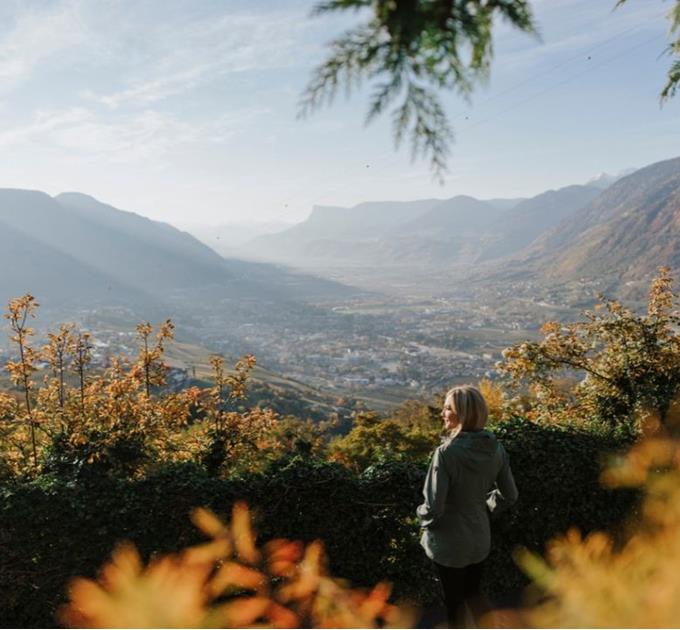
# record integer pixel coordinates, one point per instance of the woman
(459, 495)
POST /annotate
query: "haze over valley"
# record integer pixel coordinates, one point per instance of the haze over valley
(380, 302)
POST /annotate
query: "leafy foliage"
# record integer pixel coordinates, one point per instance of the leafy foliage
(495, 398)
(52, 528)
(597, 581)
(373, 439)
(409, 49)
(122, 418)
(628, 363)
(19, 310)
(122, 457)
(227, 583)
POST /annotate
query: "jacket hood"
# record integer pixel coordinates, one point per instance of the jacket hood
(473, 443)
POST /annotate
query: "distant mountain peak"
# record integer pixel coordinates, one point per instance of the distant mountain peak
(605, 180)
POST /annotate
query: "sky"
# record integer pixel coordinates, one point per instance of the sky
(185, 111)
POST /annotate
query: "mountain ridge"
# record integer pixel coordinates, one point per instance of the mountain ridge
(134, 259)
(458, 230)
(629, 230)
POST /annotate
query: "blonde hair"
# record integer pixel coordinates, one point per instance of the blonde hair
(469, 406)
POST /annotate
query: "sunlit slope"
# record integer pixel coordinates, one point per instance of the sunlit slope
(521, 225)
(628, 231)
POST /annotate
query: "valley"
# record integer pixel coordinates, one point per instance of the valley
(360, 307)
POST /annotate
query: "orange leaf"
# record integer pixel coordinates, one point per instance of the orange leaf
(124, 567)
(283, 555)
(234, 575)
(88, 607)
(404, 616)
(244, 537)
(281, 617)
(308, 577)
(281, 549)
(374, 603)
(209, 552)
(208, 523)
(242, 612)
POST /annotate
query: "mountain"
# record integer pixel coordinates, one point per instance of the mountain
(628, 231)
(605, 180)
(333, 232)
(459, 230)
(461, 215)
(230, 239)
(523, 223)
(364, 221)
(75, 249)
(31, 265)
(146, 254)
(505, 204)
(378, 233)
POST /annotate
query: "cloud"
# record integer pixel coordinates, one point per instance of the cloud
(43, 123)
(35, 36)
(204, 51)
(149, 134)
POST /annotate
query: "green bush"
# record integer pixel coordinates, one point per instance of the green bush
(557, 469)
(52, 529)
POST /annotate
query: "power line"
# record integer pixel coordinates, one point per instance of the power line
(560, 84)
(577, 57)
(580, 56)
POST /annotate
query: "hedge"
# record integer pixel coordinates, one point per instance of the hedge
(52, 529)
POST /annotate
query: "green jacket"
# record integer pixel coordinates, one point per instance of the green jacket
(469, 477)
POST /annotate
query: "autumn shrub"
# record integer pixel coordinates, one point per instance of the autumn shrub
(495, 397)
(52, 529)
(121, 419)
(228, 582)
(624, 363)
(373, 438)
(597, 580)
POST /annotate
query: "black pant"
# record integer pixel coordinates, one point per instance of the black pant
(459, 586)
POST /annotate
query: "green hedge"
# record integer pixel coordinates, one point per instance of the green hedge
(52, 529)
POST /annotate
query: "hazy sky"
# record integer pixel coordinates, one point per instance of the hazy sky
(185, 110)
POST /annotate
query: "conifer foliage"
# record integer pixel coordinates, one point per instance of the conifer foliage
(409, 49)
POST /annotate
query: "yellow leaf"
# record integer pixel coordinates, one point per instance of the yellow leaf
(244, 537)
(242, 612)
(233, 575)
(208, 523)
(167, 594)
(209, 552)
(281, 617)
